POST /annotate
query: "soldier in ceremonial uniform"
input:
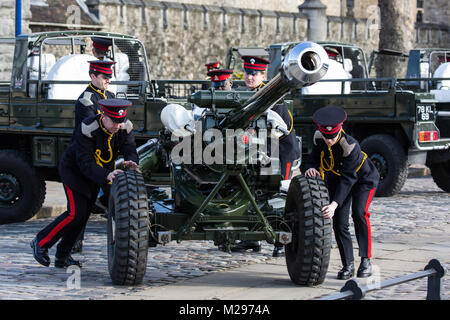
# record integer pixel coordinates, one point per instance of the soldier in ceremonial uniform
(87, 106)
(351, 179)
(221, 79)
(100, 47)
(289, 150)
(86, 165)
(210, 67)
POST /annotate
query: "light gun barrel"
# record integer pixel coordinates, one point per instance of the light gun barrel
(304, 65)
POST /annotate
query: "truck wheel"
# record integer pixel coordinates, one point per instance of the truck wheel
(22, 191)
(308, 255)
(441, 174)
(390, 159)
(128, 229)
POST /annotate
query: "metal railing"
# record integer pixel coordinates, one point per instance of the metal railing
(434, 270)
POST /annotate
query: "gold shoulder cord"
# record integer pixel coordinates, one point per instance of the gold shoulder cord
(98, 159)
(292, 125)
(364, 159)
(329, 167)
(98, 91)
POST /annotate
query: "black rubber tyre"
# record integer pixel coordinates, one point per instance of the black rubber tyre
(128, 229)
(308, 255)
(22, 191)
(441, 174)
(391, 161)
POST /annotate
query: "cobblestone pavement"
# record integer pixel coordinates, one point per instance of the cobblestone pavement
(420, 205)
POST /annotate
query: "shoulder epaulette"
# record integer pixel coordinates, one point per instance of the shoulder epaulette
(317, 135)
(346, 147)
(128, 125)
(86, 99)
(88, 128)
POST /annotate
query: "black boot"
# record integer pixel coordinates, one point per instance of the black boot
(346, 272)
(365, 268)
(66, 262)
(40, 254)
(77, 247)
(278, 251)
(246, 245)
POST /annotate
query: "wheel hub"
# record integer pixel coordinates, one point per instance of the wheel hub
(9, 188)
(381, 164)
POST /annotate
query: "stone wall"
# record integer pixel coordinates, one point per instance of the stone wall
(8, 29)
(436, 11)
(181, 37)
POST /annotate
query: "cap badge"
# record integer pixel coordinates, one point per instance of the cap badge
(216, 78)
(252, 61)
(329, 128)
(120, 112)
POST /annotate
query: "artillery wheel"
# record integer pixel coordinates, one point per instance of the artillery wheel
(22, 191)
(308, 255)
(388, 156)
(128, 229)
(441, 174)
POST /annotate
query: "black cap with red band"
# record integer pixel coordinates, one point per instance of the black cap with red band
(116, 109)
(212, 65)
(101, 43)
(329, 120)
(101, 66)
(219, 76)
(253, 64)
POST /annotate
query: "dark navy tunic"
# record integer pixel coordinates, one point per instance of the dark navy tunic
(92, 154)
(342, 165)
(87, 103)
(289, 148)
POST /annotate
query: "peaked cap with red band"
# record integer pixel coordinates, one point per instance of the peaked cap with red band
(101, 66)
(329, 120)
(101, 43)
(116, 109)
(253, 64)
(212, 65)
(219, 76)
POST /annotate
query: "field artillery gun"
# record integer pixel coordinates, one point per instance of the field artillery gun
(223, 195)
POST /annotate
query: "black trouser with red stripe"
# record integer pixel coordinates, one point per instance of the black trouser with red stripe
(359, 199)
(69, 224)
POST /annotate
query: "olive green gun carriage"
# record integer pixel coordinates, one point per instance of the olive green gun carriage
(231, 198)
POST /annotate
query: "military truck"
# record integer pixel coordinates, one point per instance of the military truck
(395, 124)
(428, 70)
(49, 72)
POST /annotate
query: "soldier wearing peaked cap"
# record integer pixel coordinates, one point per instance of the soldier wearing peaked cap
(86, 165)
(289, 150)
(221, 79)
(100, 47)
(210, 67)
(87, 106)
(351, 178)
